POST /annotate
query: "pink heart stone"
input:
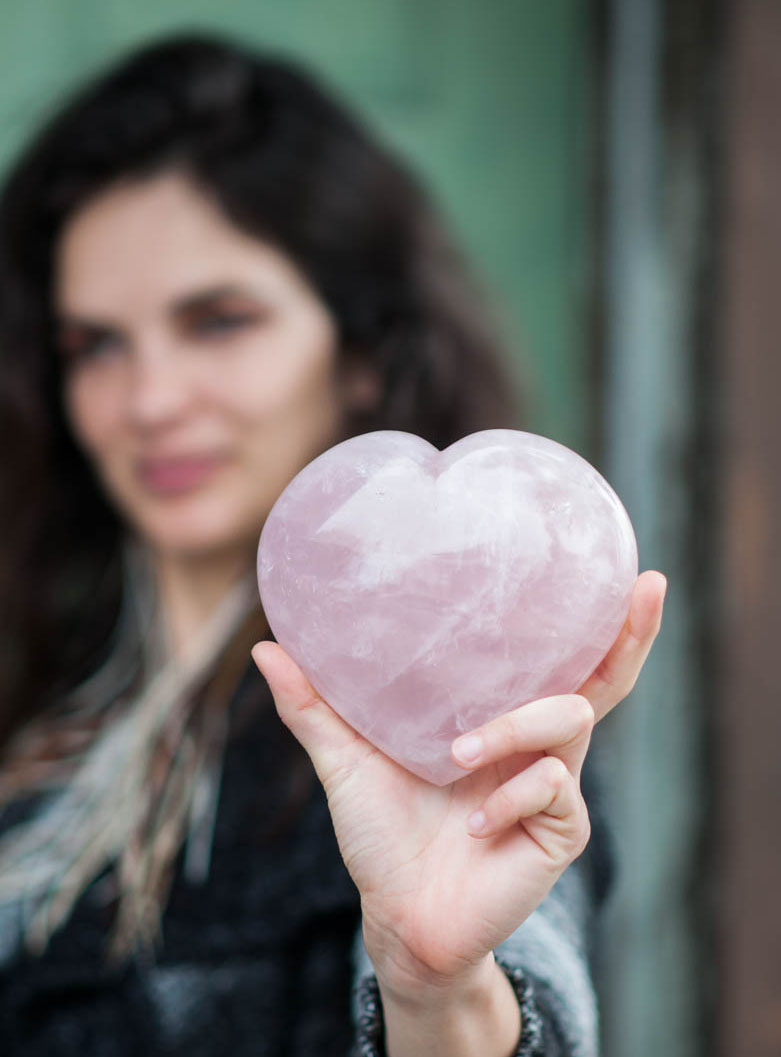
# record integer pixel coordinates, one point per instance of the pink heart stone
(425, 592)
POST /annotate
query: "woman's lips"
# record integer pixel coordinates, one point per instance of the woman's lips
(181, 474)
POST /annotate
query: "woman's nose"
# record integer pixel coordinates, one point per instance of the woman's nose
(159, 390)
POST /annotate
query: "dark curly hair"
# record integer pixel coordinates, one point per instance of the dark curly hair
(288, 164)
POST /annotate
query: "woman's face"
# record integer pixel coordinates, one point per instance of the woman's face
(201, 367)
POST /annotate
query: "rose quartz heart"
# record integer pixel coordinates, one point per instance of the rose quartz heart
(425, 592)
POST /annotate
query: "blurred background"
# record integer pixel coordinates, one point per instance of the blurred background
(613, 167)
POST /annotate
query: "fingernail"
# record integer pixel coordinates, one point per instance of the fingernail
(476, 822)
(468, 748)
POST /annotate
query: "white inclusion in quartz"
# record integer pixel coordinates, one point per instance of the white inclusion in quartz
(403, 516)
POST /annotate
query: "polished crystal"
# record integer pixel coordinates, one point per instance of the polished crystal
(425, 592)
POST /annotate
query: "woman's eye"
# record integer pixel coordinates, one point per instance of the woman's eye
(89, 347)
(220, 323)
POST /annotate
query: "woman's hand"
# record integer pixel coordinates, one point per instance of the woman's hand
(446, 874)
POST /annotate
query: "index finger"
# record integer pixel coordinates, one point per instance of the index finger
(558, 726)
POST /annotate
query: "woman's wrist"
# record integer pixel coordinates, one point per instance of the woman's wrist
(408, 977)
(411, 986)
(474, 1013)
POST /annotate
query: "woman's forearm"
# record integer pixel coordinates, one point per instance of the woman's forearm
(478, 1018)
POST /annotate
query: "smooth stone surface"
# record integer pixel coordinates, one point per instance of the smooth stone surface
(425, 592)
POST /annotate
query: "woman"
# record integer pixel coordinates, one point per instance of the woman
(209, 274)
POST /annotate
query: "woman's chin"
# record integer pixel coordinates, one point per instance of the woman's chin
(198, 535)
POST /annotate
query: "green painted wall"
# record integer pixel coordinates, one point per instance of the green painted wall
(489, 101)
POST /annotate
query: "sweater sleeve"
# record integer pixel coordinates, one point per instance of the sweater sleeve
(547, 960)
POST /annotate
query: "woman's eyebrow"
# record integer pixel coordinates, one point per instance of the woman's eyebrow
(204, 298)
(70, 320)
(199, 299)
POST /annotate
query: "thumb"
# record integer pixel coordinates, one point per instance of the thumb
(331, 743)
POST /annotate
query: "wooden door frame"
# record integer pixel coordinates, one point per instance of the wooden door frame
(748, 772)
